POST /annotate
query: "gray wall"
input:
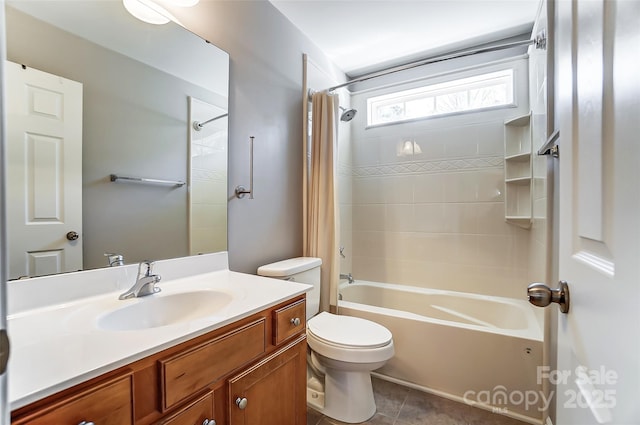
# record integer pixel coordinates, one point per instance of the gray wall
(265, 101)
(134, 123)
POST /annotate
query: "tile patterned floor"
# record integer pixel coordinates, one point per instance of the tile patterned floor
(398, 405)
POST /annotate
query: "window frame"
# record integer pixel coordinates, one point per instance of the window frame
(452, 86)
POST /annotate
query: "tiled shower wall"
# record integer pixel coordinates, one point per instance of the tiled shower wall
(434, 217)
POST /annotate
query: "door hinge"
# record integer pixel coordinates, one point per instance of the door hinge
(4, 350)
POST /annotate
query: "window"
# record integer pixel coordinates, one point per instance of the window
(462, 95)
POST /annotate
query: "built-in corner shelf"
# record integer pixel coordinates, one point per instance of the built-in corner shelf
(518, 173)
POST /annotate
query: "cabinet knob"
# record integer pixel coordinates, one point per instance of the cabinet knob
(86, 423)
(295, 321)
(241, 403)
(209, 422)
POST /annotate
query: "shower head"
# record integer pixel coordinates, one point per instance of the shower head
(347, 114)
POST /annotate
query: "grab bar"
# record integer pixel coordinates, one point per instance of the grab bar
(115, 177)
(241, 191)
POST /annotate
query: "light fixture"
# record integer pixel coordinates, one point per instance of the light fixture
(408, 147)
(147, 11)
(151, 12)
(183, 3)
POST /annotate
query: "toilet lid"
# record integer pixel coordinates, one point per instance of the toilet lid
(348, 331)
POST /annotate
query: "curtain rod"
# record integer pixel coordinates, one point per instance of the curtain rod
(199, 125)
(540, 42)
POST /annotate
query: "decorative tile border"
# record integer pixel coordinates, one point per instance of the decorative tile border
(428, 167)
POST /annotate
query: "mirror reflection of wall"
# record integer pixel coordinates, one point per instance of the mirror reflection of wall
(135, 122)
(208, 194)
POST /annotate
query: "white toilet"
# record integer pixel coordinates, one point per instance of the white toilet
(343, 349)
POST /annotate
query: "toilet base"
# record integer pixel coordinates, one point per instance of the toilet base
(347, 396)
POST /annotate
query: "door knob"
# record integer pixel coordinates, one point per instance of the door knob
(541, 295)
(72, 236)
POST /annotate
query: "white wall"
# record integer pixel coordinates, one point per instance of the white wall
(265, 101)
(436, 219)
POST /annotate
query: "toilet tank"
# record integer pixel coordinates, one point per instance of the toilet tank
(302, 270)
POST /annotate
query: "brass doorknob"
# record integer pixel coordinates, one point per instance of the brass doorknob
(72, 236)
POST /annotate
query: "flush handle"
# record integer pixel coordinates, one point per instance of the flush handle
(541, 295)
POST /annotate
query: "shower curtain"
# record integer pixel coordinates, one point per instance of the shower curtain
(320, 208)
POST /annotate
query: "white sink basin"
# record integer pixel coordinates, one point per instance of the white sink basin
(162, 310)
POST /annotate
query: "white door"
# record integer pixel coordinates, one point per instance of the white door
(4, 351)
(598, 114)
(44, 172)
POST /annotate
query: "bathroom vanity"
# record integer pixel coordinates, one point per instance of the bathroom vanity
(95, 360)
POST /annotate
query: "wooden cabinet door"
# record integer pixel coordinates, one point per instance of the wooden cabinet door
(273, 392)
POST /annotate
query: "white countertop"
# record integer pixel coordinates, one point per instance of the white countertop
(57, 346)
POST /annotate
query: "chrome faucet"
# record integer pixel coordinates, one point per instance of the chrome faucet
(348, 277)
(114, 259)
(145, 282)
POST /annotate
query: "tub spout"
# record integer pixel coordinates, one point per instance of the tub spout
(348, 277)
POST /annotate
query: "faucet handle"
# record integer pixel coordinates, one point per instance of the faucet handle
(147, 266)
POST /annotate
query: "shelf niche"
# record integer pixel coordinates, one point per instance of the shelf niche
(518, 171)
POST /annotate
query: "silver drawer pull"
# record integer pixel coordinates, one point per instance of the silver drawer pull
(241, 403)
(295, 321)
(209, 422)
(86, 423)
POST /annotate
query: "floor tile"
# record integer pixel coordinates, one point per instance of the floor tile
(389, 397)
(400, 405)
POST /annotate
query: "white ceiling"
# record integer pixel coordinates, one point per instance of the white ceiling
(366, 35)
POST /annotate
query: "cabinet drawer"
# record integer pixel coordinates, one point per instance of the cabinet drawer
(196, 413)
(108, 403)
(188, 372)
(285, 319)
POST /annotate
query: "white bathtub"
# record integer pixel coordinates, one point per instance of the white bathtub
(477, 349)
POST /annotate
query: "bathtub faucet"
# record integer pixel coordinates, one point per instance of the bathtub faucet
(347, 276)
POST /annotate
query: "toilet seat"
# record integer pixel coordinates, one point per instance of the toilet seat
(348, 331)
(349, 339)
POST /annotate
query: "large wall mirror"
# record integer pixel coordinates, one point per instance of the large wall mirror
(93, 92)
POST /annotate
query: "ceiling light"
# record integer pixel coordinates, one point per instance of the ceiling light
(147, 11)
(183, 3)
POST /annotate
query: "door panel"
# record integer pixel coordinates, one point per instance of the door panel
(598, 114)
(4, 405)
(44, 181)
(273, 391)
